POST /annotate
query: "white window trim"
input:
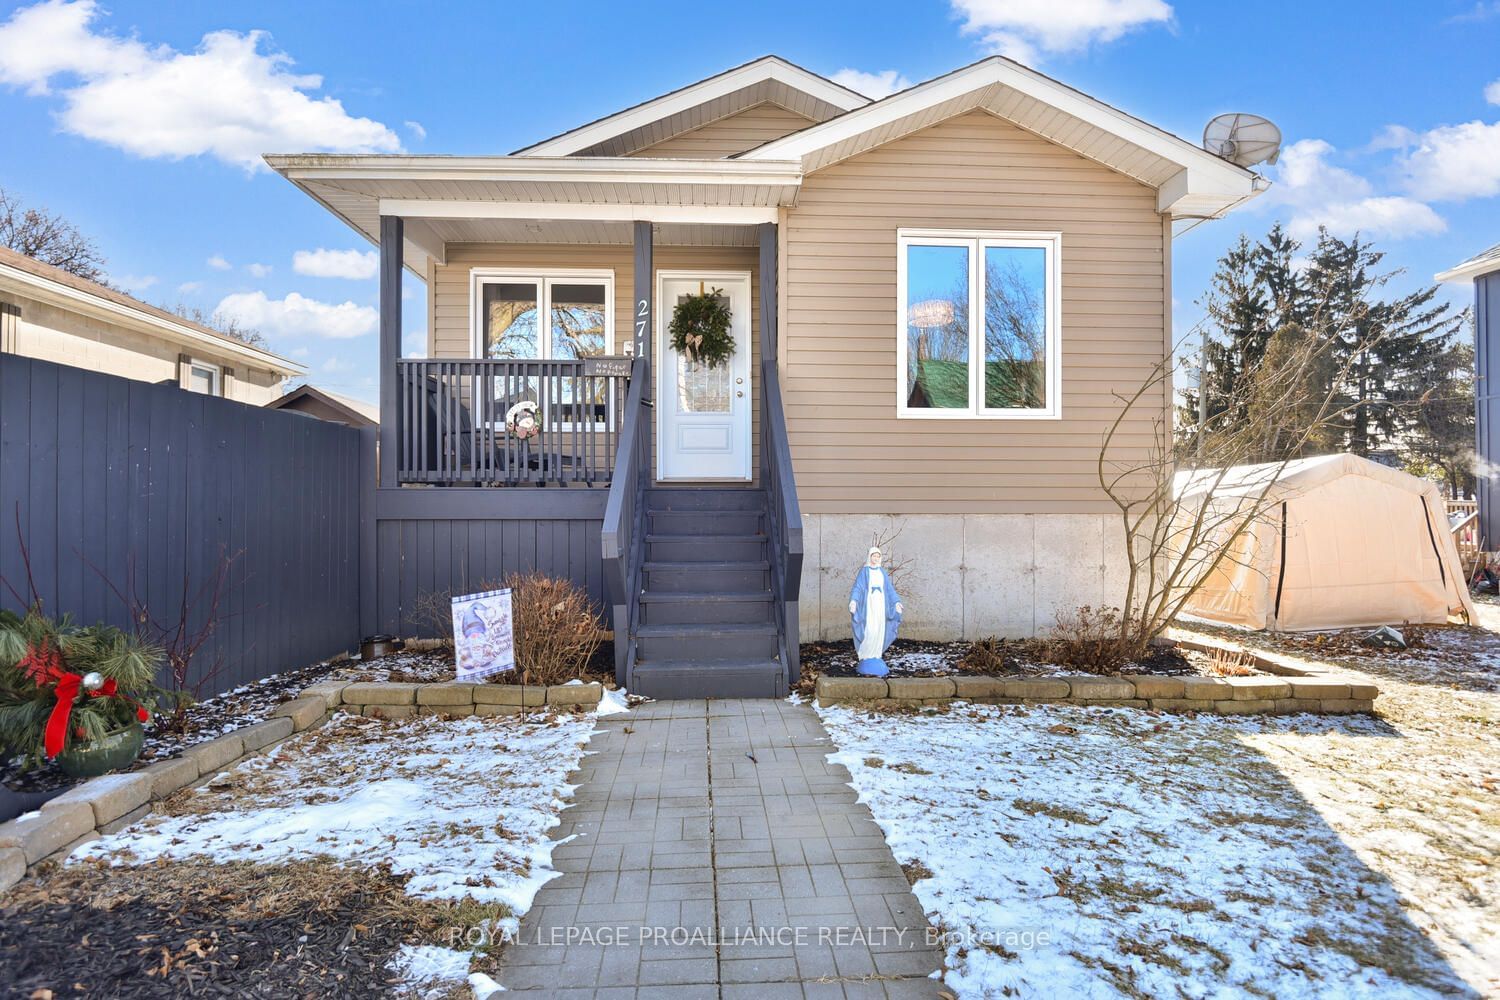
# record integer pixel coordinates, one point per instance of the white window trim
(978, 240)
(545, 278)
(217, 387)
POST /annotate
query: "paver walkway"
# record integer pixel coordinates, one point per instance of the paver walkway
(717, 853)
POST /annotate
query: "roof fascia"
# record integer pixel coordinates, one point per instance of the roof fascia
(1216, 173)
(678, 101)
(64, 296)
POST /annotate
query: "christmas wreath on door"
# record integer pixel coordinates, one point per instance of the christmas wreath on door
(700, 328)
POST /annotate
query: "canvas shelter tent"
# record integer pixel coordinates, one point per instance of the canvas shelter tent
(1342, 542)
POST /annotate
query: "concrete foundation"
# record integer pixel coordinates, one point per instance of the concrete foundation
(964, 576)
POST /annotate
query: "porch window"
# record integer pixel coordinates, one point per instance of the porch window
(978, 331)
(536, 315)
(542, 316)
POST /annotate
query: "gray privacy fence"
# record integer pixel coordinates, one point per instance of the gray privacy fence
(128, 486)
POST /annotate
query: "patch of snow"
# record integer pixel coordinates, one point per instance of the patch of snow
(612, 702)
(483, 986)
(429, 970)
(1100, 853)
(463, 806)
(920, 661)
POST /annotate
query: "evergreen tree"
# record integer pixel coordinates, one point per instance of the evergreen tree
(1238, 328)
(1440, 442)
(1404, 380)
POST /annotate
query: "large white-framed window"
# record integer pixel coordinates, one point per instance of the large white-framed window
(541, 313)
(546, 314)
(978, 330)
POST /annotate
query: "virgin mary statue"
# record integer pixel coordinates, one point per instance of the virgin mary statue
(875, 608)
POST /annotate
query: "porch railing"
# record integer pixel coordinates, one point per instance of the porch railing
(623, 534)
(452, 422)
(784, 518)
(1463, 521)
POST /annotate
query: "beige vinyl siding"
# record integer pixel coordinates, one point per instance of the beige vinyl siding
(42, 330)
(974, 172)
(729, 135)
(449, 292)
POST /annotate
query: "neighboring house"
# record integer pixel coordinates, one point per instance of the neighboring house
(937, 299)
(325, 405)
(1483, 269)
(48, 313)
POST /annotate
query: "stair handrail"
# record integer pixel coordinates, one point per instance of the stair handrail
(622, 536)
(784, 518)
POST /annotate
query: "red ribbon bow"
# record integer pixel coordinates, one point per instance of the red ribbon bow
(46, 664)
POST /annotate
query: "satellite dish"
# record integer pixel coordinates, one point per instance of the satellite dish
(1243, 139)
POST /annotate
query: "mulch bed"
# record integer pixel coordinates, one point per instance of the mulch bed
(1018, 657)
(430, 666)
(301, 929)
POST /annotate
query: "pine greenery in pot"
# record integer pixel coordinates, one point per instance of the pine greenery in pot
(74, 695)
(700, 328)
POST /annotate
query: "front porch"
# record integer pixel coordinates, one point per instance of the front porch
(463, 499)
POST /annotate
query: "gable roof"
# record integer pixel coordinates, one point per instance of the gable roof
(769, 78)
(1477, 266)
(67, 290)
(354, 412)
(1191, 182)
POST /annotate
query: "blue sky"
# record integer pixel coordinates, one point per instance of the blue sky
(140, 121)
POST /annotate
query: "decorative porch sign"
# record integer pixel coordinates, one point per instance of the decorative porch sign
(608, 366)
(483, 634)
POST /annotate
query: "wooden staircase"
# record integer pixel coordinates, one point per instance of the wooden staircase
(704, 582)
(706, 625)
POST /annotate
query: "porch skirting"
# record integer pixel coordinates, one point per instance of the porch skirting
(965, 576)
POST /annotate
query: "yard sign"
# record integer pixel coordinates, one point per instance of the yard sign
(483, 636)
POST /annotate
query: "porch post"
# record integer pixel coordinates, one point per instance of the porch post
(644, 290)
(768, 265)
(390, 342)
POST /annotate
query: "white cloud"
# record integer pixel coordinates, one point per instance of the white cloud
(226, 99)
(1392, 137)
(1492, 92)
(218, 263)
(337, 364)
(189, 287)
(321, 263)
(1454, 162)
(872, 85)
(1318, 193)
(1027, 30)
(299, 316)
(133, 282)
(416, 129)
(258, 270)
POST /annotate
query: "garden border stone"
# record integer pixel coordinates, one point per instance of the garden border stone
(1294, 690)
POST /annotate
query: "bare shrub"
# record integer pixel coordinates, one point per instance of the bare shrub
(1230, 663)
(557, 628)
(1187, 502)
(988, 656)
(1091, 639)
(434, 609)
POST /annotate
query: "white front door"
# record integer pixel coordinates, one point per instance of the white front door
(703, 413)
